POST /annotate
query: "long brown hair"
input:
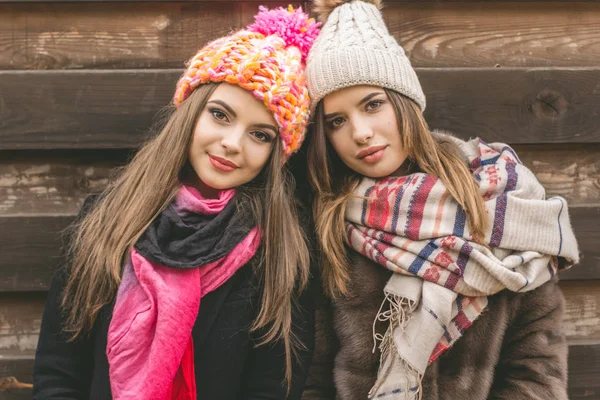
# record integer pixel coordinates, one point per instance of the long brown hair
(101, 241)
(334, 183)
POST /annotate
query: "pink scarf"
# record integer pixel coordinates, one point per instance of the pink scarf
(149, 347)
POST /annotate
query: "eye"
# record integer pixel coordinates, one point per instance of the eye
(218, 114)
(336, 122)
(262, 136)
(374, 105)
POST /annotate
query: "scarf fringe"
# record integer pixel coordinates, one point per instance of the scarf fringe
(397, 315)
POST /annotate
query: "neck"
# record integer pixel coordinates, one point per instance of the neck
(408, 167)
(205, 191)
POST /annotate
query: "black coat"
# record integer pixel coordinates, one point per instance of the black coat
(228, 364)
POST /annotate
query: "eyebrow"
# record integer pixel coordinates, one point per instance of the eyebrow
(369, 97)
(268, 126)
(225, 106)
(364, 100)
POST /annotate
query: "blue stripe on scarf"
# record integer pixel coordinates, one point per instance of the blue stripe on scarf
(463, 257)
(459, 222)
(397, 208)
(560, 236)
(395, 391)
(365, 206)
(446, 333)
(501, 203)
(416, 265)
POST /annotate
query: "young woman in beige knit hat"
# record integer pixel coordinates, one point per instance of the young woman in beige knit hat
(439, 256)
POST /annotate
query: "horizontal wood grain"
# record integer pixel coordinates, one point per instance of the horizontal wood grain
(115, 109)
(584, 369)
(516, 106)
(571, 171)
(16, 375)
(114, 35)
(21, 313)
(54, 182)
(31, 248)
(501, 34)
(582, 311)
(165, 34)
(43, 182)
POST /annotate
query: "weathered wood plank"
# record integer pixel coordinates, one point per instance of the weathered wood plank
(443, 34)
(15, 375)
(517, 106)
(81, 109)
(116, 35)
(114, 109)
(31, 249)
(467, 34)
(21, 313)
(44, 182)
(582, 312)
(570, 171)
(584, 370)
(55, 182)
(585, 224)
(20, 319)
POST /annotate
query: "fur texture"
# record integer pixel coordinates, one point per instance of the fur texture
(515, 351)
(325, 7)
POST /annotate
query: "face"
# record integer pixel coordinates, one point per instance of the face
(362, 128)
(233, 139)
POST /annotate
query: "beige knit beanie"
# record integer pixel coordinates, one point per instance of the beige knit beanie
(355, 48)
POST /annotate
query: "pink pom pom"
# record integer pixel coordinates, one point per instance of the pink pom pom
(293, 26)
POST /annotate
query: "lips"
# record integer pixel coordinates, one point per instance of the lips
(369, 151)
(222, 163)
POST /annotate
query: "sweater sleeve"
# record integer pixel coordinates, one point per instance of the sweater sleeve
(533, 359)
(266, 366)
(62, 369)
(320, 385)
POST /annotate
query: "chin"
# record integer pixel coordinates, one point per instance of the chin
(216, 182)
(376, 172)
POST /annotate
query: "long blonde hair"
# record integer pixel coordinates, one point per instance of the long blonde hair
(101, 241)
(334, 183)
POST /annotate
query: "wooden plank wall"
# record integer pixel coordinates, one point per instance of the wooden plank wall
(80, 83)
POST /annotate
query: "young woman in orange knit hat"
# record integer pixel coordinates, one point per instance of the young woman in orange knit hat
(439, 256)
(184, 277)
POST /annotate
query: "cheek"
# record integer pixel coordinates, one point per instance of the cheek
(341, 144)
(257, 155)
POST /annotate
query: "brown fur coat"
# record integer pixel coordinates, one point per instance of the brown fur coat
(516, 350)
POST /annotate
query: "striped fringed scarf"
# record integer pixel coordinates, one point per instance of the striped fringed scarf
(413, 227)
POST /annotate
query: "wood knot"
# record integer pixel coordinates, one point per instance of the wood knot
(549, 103)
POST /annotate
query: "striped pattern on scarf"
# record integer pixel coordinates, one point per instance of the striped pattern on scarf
(412, 226)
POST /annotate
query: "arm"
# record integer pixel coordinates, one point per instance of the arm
(533, 360)
(62, 369)
(265, 374)
(320, 385)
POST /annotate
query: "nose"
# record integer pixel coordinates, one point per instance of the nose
(362, 131)
(232, 140)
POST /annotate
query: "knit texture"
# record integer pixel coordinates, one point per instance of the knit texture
(412, 226)
(355, 48)
(267, 59)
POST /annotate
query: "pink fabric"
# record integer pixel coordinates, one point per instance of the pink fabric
(156, 308)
